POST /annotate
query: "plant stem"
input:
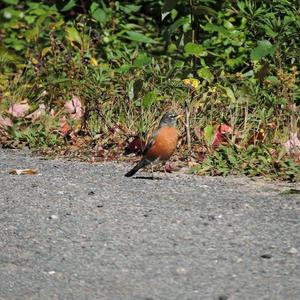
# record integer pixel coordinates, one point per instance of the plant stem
(188, 104)
(188, 127)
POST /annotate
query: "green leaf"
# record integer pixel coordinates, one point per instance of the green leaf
(168, 6)
(206, 74)
(94, 6)
(202, 10)
(124, 68)
(214, 28)
(194, 49)
(139, 37)
(32, 34)
(208, 134)
(178, 23)
(100, 16)
(264, 48)
(72, 35)
(69, 5)
(130, 8)
(142, 60)
(12, 2)
(230, 94)
(149, 99)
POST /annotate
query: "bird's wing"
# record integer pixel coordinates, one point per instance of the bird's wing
(151, 141)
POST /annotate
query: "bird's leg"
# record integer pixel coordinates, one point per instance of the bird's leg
(152, 171)
(166, 173)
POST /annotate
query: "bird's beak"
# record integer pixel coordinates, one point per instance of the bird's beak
(179, 117)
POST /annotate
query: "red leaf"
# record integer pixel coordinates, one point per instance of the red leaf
(219, 136)
(223, 128)
(64, 127)
(217, 140)
(136, 146)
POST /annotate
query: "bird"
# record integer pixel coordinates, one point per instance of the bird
(161, 144)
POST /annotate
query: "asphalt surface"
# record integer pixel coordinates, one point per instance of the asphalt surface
(84, 231)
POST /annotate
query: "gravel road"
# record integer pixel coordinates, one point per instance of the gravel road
(84, 231)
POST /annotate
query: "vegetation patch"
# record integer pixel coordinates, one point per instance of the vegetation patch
(89, 79)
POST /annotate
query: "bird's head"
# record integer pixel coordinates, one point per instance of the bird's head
(169, 119)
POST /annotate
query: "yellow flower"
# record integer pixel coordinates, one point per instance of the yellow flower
(93, 62)
(192, 83)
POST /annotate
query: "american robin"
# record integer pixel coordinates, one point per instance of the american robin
(161, 144)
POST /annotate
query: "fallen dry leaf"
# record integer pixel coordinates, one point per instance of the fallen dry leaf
(23, 172)
(64, 127)
(219, 136)
(292, 146)
(5, 122)
(199, 133)
(19, 109)
(136, 146)
(74, 108)
(224, 128)
(37, 113)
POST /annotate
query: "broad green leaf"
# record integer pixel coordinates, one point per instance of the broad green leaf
(139, 37)
(272, 79)
(100, 16)
(45, 51)
(230, 94)
(168, 6)
(264, 48)
(30, 19)
(12, 2)
(149, 99)
(130, 8)
(203, 10)
(208, 134)
(124, 68)
(69, 5)
(228, 25)
(206, 74)
(194, 49)
(214, 28)
(32, 34)
(142, 60)
(178, 23)
(72, 35)
(94, 6)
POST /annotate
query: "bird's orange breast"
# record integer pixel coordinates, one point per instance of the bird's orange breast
(164, 145)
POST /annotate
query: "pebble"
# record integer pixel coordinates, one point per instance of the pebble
(292, 251)
(51, 272)
(53, 217)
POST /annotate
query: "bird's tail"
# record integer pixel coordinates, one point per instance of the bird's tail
(141, 164)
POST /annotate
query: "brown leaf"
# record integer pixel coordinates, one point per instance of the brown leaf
(37, 113)
(74, 108)
(199, 133)
(292, 145)
(23, 172)
(19, 109)
(5, 122)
